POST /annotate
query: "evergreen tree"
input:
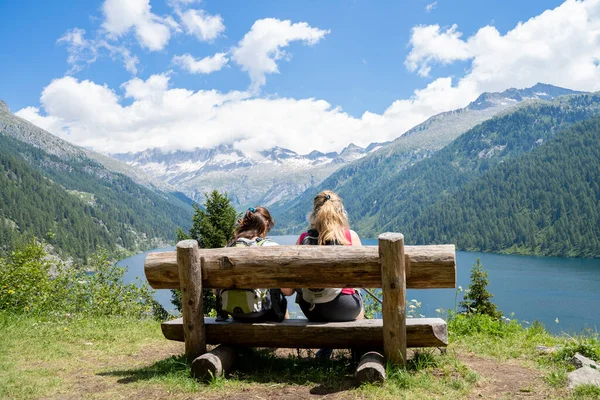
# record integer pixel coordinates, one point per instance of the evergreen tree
(211, 228)
(477, 298)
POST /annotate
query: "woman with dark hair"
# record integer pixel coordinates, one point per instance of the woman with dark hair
(329, 226)
(252, 304)
(253, 228)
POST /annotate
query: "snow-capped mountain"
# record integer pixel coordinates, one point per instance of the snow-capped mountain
(266, 177)
(280, 175)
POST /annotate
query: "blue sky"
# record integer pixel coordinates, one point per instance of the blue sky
(342, 59)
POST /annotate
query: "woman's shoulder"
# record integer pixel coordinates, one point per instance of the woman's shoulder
(355, 238)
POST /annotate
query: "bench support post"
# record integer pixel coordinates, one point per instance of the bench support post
(393, 284)
(192, 311)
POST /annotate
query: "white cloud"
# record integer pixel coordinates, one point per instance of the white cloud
(207, 65)
(158, 115)
(262, 46)
(152, 31)
(204, 26)
(430, 44)
(83, 52)
(429, 7)
(559, 46)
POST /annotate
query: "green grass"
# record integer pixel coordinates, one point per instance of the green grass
(503, 341)
(587, 392)
(118, 357)
(38, 354)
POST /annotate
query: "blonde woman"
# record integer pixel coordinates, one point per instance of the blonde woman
(329, 226)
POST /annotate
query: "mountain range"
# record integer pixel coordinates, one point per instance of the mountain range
(265, 177)
(277, 176)
(438, 182)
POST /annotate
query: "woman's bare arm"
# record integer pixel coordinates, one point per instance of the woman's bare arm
(355, 238)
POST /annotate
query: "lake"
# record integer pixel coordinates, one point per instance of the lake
(533, 288)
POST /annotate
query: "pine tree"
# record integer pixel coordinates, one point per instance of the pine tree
(477, 298)
(212, 228)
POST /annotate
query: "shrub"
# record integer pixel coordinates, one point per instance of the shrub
(587, 346)
(31, 283)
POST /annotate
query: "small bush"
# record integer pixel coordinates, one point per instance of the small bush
(471, 324)
(586, 346)
(30, 283)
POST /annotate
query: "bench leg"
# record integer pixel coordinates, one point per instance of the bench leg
(192, 311)
(371, 368)
(393, 284)
(215, 363)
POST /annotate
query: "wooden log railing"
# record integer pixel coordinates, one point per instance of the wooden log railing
(390, 266)
(427, 267)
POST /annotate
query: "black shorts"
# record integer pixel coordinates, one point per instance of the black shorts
(345, 307)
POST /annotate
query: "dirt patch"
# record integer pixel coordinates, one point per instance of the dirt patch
(111, 378)
(504, 379)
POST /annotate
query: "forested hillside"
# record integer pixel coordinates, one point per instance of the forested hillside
(77, 205)
(544, 202)
(379, 202)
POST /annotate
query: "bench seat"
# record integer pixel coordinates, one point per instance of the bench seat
(300, 333)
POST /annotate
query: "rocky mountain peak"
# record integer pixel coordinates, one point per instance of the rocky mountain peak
(540, 91)
(352, 150)
(278, 153)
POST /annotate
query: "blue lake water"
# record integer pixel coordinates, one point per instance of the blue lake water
(533, 288)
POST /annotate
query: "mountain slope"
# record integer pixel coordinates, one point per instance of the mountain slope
(403, 198)
(545, 202)
(75, 203)
(377, 171)
(23, 130)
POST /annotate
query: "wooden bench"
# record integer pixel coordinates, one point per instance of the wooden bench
(390, 266)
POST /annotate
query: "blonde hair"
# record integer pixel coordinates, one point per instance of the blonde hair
(329, 218)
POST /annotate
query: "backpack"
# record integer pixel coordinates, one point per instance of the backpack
(319, 296)
(251, 304)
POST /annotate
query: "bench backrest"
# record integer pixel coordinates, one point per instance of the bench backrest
(426, 267)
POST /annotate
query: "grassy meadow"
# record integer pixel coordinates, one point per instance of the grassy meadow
(64, 356)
